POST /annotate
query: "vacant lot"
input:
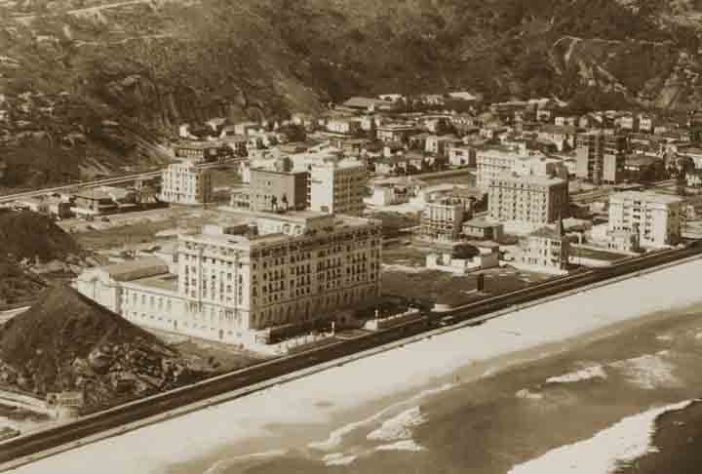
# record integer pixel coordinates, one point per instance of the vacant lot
(428, 287)
(125, 230)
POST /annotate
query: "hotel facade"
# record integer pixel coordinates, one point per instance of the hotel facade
(247, 283)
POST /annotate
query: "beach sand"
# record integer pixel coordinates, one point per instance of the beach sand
(472, 400)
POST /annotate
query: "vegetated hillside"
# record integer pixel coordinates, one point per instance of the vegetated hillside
(17, 285)
(68, 342)
(90, 86)
(26, 235)
(27, 239)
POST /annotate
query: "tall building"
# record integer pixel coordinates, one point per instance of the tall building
(531, 199)
(656, 218)
(279, 189)
(337, 186)
(185, 183)
(442, 219)
(249, 283)
(600, 156)
(494, 163)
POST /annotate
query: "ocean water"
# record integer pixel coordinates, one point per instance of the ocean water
(624, 404)
(468, 401)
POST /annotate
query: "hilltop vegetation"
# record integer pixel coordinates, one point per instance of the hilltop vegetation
(92, 86)
(27, 239)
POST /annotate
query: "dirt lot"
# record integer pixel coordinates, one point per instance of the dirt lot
(210, 355)
(125, 230)
(405, 255)
(428, 287)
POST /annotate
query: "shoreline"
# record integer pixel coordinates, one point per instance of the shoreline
(330, 397)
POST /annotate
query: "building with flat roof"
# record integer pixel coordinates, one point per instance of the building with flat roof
(483, 229)
(600, 156)
(492, 163)
(532, 200)
(185, 183)
(265, 276)
(656, 218)
(344, 125)
(278, 190)
(442, 219)
(200, 152)
(396, 133)
(337, 186)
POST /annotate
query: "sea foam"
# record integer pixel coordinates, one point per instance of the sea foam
(623, 442)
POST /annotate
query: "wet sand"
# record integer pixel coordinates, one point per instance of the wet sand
(490, 425)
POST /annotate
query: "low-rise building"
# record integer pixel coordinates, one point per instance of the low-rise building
(693, 178)
(459, 155)
(465, 258)
(623, 241)
(656, 218)
(561, 136)
(483, 229)
(50, 206)
(439, 145)
(396, 133)
(385, 196)
(442, 220)
(102, 201)
(185, 183)
(545, 250)
(344, 126)
(200, 152)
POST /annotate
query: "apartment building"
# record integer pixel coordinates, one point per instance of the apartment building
(442, 219)
(337, 186)
(531, 199)
(277, 190)
(600, 156)
(656, 218)
(493, 163)
(247, 283)
(185, 183)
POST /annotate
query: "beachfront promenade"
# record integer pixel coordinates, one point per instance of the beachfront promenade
(26, 448)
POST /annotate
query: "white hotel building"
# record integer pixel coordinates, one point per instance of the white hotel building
(245, 284)
(185, 183)
(656, 218)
